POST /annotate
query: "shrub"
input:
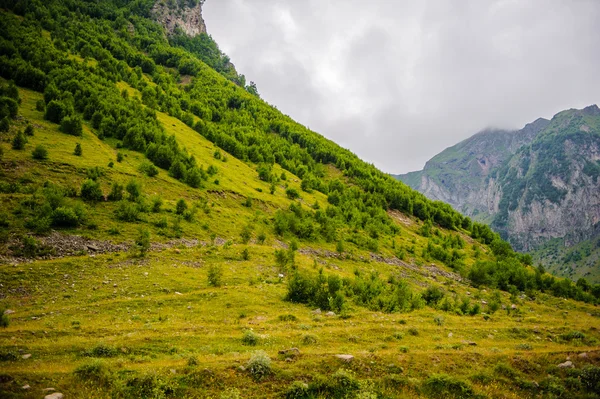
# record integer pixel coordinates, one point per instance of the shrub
(127, 212)
(444, 386)
(134, 188)
(572, 335)
(157, 203)
(181, 206)
(148, 386)
(344, 383)
(116, 192)
(4, 124)
(142, 242)
(4, 320)
(262, 236)
(29, 130)
(413, 331)
(65, 217)
(439, 320)
(56, 111)
(298, 390)
(590, 378)
(40, 153)
(246, 234)
(215, 273)
(148, 169)
(309, 339)
(287, 317)
(259, 365)
(91, 191)
(292, 193)
(250, 338)
(119, 157)
(71, 125)
(246, 254)
(433, 295)
(102, 350)
(40, 105)
(78, 151)
(95, 371)
(162, 222)
(19, 141)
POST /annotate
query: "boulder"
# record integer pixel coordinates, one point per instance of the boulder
(9, 311)
(55, 395)
(346, 358)
(566, 365)
(295, 351)
(26, 356)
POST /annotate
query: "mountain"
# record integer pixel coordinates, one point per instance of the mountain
(166, 233)
(537, 186)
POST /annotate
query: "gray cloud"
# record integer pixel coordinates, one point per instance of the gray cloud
(396, 82)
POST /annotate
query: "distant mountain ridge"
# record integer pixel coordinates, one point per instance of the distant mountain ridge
(533, 185)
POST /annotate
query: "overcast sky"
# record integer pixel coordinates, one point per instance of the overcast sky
(398, 81)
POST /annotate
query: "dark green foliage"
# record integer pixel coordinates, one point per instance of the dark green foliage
(298, 390)
(181, 207)
(134, 189)
(71, 125)
(119, 157)
(78, 151)
(292, 193)
(4, 319)
(19, 141)
(29, 130)
(116, 192)
(142, 242)
(40, 153)
(215, 274)
(65, 217)
(127, 211)
(56, 111)
(91, 191)
(590, 378)
(4, 124)
(40, 105)
(433, 295)
(148, 169)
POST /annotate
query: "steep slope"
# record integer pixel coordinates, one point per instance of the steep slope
(534, 186)
(164, 233)
(459, 174)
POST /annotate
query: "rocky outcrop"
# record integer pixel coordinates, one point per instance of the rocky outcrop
(183, 14)
(532, 185)
(461, 175)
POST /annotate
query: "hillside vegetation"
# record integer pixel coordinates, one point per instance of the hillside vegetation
(165, 233)
(537, 187)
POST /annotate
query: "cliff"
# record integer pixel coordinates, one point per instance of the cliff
(535, 186)
(183, 14)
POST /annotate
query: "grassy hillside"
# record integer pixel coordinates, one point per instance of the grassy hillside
(170, 235)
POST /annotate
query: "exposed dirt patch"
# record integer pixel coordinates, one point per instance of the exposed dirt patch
(400, 218)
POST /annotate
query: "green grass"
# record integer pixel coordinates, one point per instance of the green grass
(118, 325)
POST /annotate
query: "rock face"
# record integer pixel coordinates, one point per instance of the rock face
(183, 14)
(538, 186)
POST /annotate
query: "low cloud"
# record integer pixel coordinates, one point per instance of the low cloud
(397, 82)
